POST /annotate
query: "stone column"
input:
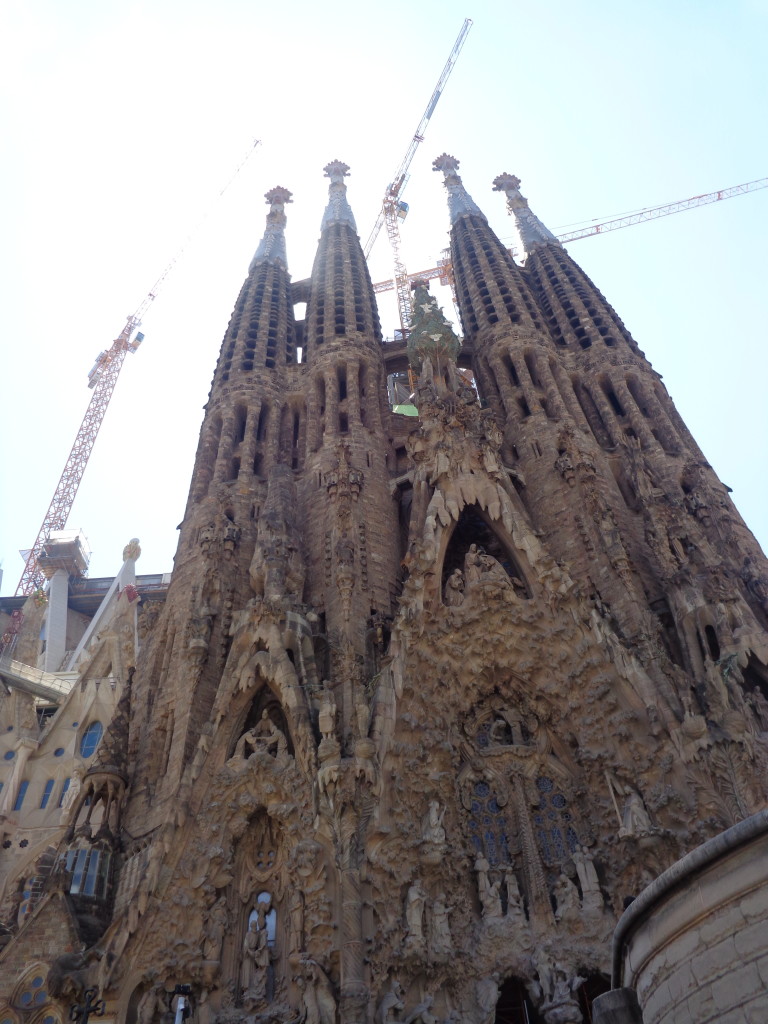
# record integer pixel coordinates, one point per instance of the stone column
(56, 621)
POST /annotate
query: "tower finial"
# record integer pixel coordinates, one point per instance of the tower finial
(532, 231)
(272, 246)
(460, 202)
(338, 210)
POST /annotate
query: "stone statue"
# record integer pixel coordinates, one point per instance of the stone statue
(327, 713)
(472, 567)
(453, 593)
(514, 899)
(490, 893)
(414, 914)
(441, 944)
(486, 996)
(73, 789)
(592, 898)
(266, 736)
(635, 820)
(309, 1010)
(319, 1002)
(432, 830)
(253, 972)
(391, 1004)
(215, 929)
(422, 1011)
(567, 898)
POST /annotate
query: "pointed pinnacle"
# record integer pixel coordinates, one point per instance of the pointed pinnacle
(338, 210)
(460, 202)
(532, 231)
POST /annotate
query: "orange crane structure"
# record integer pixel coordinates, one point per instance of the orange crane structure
(393, 209)
(102, 379)
(443, 269)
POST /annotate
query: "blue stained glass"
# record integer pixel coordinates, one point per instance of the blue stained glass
(487, 819)
(473, 824)
(558, 800)
(572, 839)
(493, 805)
(544, 785)
(477, 843)
(40, 997)
(37, 982)
(26, 998)
(552, 815)
(476, 807)
(557, 841)
(482, 789)
(90, 739)
(566, 816)
(538, 819)
(544, 843)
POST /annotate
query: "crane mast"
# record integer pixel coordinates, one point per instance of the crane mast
(393, 209)
(102, 379)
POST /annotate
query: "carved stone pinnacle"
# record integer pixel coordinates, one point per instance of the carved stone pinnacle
(278, 196)
(336, 171)
(446, 164)
(506, 182)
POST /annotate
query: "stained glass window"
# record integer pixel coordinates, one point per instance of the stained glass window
(552, 821)
(488, 825)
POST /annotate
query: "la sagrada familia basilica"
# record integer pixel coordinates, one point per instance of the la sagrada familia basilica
(436, 693)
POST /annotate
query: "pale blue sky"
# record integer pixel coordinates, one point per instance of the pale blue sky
(122, 120)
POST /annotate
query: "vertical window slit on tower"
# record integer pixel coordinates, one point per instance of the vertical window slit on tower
(261, 426)
(612, 397)
(507, 360)
(341, 376)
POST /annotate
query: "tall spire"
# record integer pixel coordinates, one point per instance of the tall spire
(272, 246)
(532, 231)
(341, 301)
(460, 202)
(338, 210)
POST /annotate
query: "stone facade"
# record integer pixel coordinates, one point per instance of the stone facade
(430, 697)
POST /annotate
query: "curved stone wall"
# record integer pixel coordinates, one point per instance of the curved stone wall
(694, 944)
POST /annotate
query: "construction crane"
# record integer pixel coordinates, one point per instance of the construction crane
(443, 270)
(102, 379)
(393, 209)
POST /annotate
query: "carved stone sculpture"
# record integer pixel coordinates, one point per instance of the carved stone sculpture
(486, 997)
(391, 1004)
(440, 943)
(265, 736)
(567, 899)
(215, 929)
(635, 820)
(414, 914)
(255, 962)
(453, 595)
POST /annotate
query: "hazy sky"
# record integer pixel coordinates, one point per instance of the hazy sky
(123, 120)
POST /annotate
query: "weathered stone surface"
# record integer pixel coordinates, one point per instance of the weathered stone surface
(430, 697)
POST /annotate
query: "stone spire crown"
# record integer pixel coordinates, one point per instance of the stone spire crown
(460, 202)
(338, 210)
(532, 231)
(272, 246)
